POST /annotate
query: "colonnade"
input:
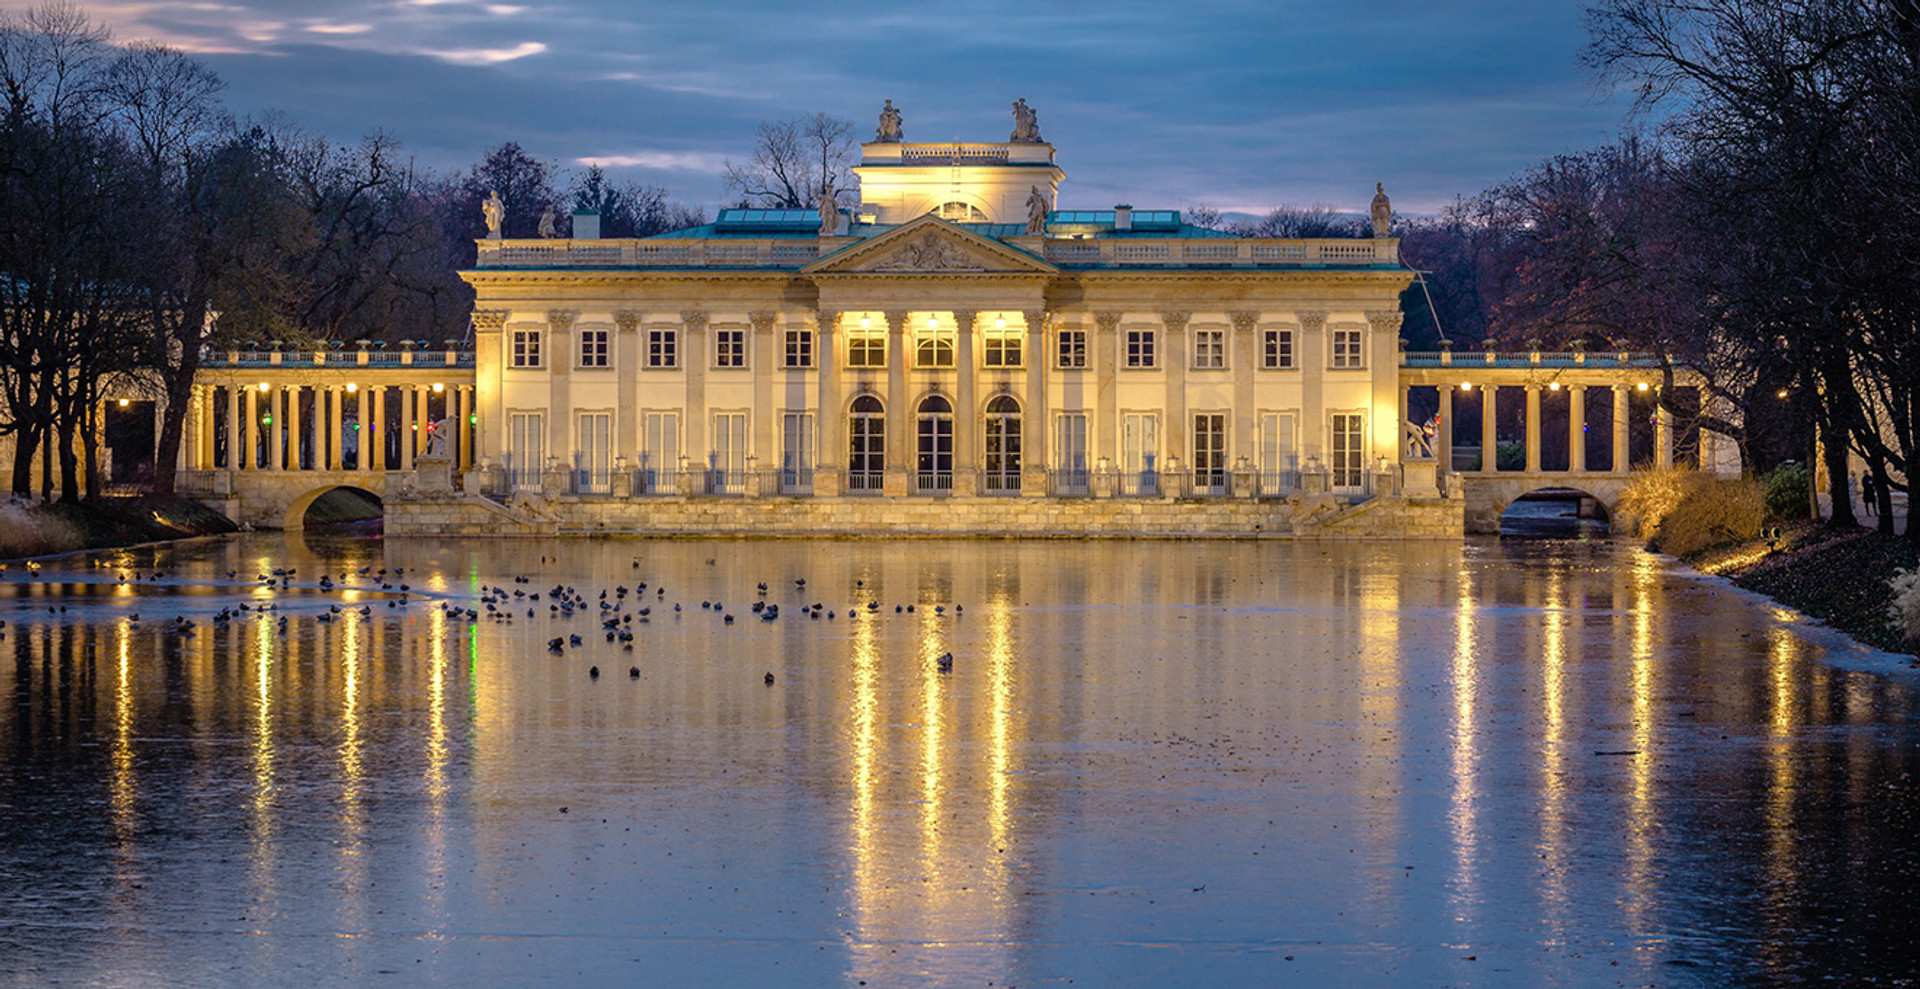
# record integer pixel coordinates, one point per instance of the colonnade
(1576, 426)
(335, 426)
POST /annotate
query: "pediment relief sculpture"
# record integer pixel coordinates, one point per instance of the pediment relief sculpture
(929, 252)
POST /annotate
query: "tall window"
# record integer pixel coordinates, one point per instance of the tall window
(1210, 452)
(934, 432)
(727, 461)
(593, 451)
(526, 348)
(1349, 453)
(1278, 466)
(1139, 453)
(593, 348)
(526, 449)
(796, 452)
(1209, 350)
(1003, 344)
(933, 345)
(1276, 349)
(730, 347)
(867, 444)
(663, 348)
(660, 454)
(799, 348)
(1140, 348)
(1003, 446)
(867, 345)
(1072, 348)
(1346, 349)
(1070, 453)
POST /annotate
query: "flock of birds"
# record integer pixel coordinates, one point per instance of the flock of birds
(619, 609)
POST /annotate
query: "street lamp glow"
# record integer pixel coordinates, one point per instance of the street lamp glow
(124, 403)
(438, 388)
(1555, 386)
(1466, 386)
(1642, 386)
(352, 387)
(264, 386)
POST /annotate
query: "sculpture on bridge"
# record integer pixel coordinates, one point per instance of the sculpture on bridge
(494, 212)
(438, 436)
(889, 130)
(1418, 442)
(1026, 123)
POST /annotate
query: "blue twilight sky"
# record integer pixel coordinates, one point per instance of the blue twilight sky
(1238, 105)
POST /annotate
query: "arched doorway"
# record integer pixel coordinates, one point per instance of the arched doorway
(1556, 513)
(1002, 450)
(934, 446)
(338, 505)
(866, 444)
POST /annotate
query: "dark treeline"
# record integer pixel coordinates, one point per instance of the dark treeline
(145, 223)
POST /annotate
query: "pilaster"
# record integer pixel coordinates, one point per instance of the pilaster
(1175, 355)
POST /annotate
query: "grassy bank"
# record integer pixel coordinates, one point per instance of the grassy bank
(1838, 576)
(38, 530)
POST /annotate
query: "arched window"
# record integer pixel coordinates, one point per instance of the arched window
(935, 445)
(960, 212)
(867, 444)
(1002, 461)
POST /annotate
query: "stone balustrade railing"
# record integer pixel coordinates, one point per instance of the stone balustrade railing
(338, 358)
(742, 253)
(1070, 252)
(1550, 359)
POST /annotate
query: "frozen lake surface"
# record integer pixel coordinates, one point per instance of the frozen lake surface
(1156, 764)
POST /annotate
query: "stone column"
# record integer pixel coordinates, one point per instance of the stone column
(627, 357)
(235, 460)
(559, 357)
(1036, 413)
(1577, 428)
(967, 422)
(1621, 398)
(488, 357)
(831, 419)
(1662, 433)
(1533, 429)
(900, 439)
(765, 416)
(375, 435)
(1313, 401)
(1174, 359)
(293, 428)
(1106, 407)
(1243, 357)
(1443, 429)
(694, 356)
(1489, 428)
(276, 430)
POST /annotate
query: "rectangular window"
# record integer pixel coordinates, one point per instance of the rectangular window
(593, 452)
(933, 346)
(1276, 349)
(799, 348)
(526, 348)
(727, 461)
(1209, 350)
(659, 454)
(1003, 345)
(1210, 452)
(593, 348)
(1139, 453)
(796, 453)
(866, 347)
(526, 449)
(1072, 348)
(1140, 348)
(1279, 471)
(663, 348)
(730, 347)
(1346, 349)
(1070, 453)
(1349, 452)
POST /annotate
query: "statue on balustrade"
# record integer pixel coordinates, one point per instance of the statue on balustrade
(494, 212)
(1382, 210)
(1417, 441)
(438, 436)
(1026, 123)
(546, 224)
(889, 130)
(1037, 208)
(828, 204)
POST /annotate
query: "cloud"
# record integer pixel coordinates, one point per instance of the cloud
(670, 161)
(487, 56)
(339, 28)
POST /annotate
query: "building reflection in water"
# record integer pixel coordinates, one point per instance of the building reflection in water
(1463, 816)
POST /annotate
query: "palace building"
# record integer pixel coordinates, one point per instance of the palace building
(956, 337)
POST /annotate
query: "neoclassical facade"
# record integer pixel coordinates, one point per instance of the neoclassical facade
(955, 337)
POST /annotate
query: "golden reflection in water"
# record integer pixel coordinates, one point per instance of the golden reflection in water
(867, 883)
(1464, 891)
(999, 745)
(436, 837)
(121, 785)
(931, 783)
(1645, 583)
(1783, 665)
(263, 757)
(1553, 755)
(1380, 673)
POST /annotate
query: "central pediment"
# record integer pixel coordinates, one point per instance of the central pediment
(930, 246)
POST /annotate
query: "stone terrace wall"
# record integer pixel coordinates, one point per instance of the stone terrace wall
(1381, 518)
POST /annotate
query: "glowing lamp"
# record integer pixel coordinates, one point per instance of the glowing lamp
(1555, 386)
(124, 403)
(351, 387)
(264, 386)
(866, 321)
(1642, 386)
(438, 388)
(1466, 386)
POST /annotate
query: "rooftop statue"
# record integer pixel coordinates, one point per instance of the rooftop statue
(546, 224)
(828, 203)
(1382, 210)
(1026, 123)
(494, 212)
(1036, 211)
(889, 130)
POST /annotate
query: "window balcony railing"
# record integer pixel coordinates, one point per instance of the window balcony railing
(865, 481)
(1140, 484)
(1000, 482)
(1278, 483)
(796, 480)
(721, 481)
(1211, 483)
(933, 482)
(1072, 481)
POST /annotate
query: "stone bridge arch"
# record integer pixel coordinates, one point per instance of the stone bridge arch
(295, 515)
(1488, 496)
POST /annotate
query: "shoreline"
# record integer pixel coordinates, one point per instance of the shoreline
(1832, 579)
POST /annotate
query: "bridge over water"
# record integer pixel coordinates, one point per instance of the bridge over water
(270, 431)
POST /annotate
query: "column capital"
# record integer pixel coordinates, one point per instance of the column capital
(762, 321)
(694, 319)
(1244, 322)
(1532, 387)
(963, 319)
(489, 320)
(562, 319)
(1312, 320)
(627, 320)
(896, 320)
(826, 320)
(1577, 388)
(1175, 319)
(1106, 321)
(1037, 319)
(1385, 320)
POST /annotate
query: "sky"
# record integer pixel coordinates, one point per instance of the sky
(1242, 106)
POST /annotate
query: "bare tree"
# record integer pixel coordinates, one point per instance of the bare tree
(793, 160)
